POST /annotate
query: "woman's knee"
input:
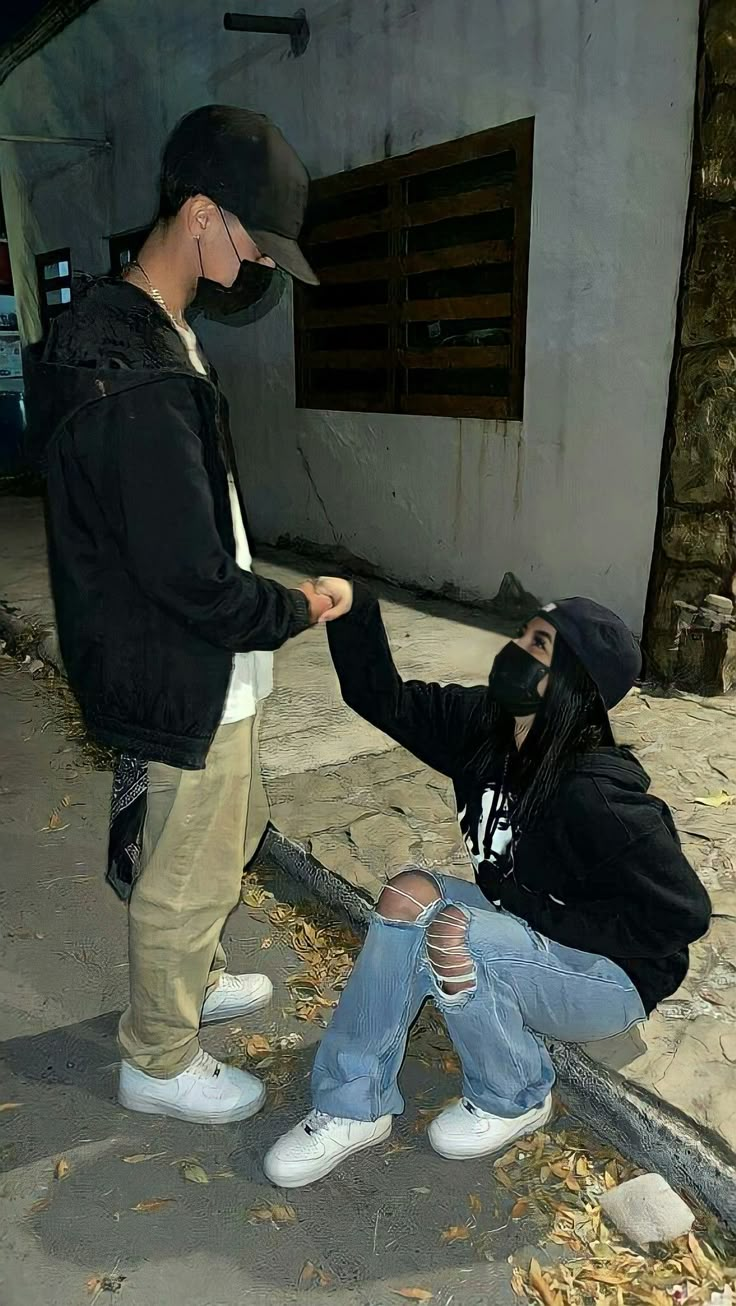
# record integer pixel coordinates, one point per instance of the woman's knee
(407, 895)
(448, 953)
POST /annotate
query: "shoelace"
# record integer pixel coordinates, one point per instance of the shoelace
(471, 1108)
(316, 1121)
(204, 1066)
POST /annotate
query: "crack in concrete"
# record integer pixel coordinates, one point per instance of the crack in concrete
(317, 495)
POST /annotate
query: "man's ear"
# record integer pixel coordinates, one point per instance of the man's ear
(199, 212)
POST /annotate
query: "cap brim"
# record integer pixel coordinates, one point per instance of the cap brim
(286, 254)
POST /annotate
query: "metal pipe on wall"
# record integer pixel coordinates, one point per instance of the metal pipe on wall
(296, 27)
(85, 142)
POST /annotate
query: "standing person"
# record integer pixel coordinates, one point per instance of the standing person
(583, 907)
(164, 630)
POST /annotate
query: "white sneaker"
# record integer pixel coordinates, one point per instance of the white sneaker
(207, 1092)
(237, 995)
(316, 1145)
(464, 1130)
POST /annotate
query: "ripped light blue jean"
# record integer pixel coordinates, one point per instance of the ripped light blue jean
(525, 986)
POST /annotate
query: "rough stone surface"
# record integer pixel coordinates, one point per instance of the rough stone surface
(699, 538)
(709, 306)
(718, 173)
(720, 41)
(647, 1210)
(705, 427)
(688, 585)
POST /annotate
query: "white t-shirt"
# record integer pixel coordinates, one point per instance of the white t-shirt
(252, 674)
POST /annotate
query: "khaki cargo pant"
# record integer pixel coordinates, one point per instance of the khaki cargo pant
(202, 828)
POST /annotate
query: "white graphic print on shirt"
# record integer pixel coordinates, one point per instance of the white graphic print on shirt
(488, 838)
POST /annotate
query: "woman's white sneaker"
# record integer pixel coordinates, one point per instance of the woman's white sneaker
(316, 1145)
(237, 995)
(464, 1130)
(207, 1092)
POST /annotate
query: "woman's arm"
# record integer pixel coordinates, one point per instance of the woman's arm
(437, 723)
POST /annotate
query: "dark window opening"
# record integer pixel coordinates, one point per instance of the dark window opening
(423, 263)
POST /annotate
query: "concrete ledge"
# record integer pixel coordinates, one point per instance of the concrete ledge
(653, 1134)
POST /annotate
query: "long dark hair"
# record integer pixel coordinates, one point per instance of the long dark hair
(572, 720)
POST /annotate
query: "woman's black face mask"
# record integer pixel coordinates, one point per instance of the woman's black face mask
(514, 681)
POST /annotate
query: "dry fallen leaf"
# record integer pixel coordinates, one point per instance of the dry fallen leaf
(9, 1106)
(517, 1282)
(314, 1276)
(138, 1157)
(100, 1283)
(257, 1046)
(42, 1205)
(272, 1214)
(540, 1285)
(475, 1203)
(720, 799)
(413, 1294)
(153, 1204)
(194, 1173)
(62, 1169)
(457, 1233)
(519, 1208)
(266, 943)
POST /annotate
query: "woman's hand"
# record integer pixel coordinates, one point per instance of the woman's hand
(340, 594)
(319, 604)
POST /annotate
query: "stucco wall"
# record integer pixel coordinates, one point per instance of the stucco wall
(567, 499)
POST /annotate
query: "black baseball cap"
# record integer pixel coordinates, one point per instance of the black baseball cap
(240, 160)
(601, 641)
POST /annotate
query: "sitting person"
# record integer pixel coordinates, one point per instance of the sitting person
(582, 909)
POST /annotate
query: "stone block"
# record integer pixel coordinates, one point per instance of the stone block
(646, 1210)
(702, 466)
(685, 586)
(720, 41)
(718, 171)
(709, 309)
(702, 537)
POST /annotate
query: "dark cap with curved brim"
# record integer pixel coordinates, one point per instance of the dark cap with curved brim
(240, 160)
(601, 641)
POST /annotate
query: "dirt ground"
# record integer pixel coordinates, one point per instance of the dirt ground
(100, 1204)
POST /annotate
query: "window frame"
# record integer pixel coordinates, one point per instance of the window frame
(397, 218)
(134, 238)
(46, 284)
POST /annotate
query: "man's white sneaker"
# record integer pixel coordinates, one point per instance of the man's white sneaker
(316, 1145)
(207, 1092)
(237, 995)
(463, 1131)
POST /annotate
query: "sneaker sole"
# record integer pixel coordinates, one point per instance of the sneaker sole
(469, 1155)
(218, 1018)
(243, 1112)
(331, 1165)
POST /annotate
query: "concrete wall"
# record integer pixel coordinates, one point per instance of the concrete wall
(566, 499)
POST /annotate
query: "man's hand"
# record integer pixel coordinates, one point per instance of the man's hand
(319, 603)
(340, 594)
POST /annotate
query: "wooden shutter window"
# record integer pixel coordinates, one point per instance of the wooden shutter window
(423, 262)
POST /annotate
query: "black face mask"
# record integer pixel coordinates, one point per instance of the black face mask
(256, 289)
(514, 679)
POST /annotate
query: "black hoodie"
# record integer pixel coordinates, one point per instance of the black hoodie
(150, 603)
(602, 871)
